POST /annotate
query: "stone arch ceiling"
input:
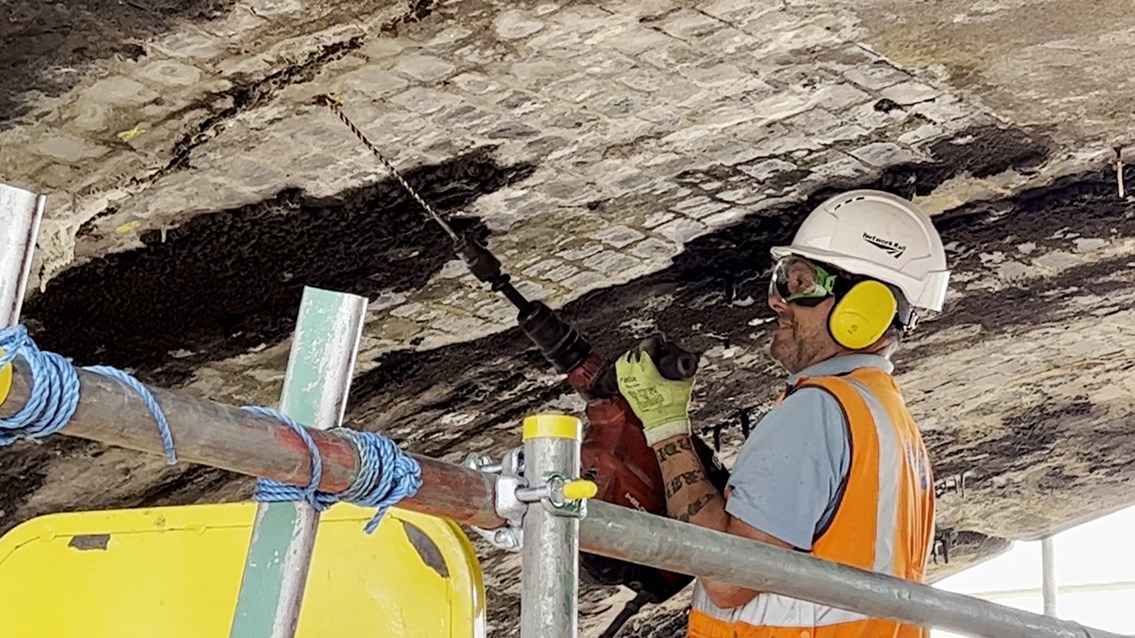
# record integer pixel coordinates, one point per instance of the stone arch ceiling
(631, 162)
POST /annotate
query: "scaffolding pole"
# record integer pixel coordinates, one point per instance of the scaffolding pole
(1048, 574)
(21, 212)
(316, 384)
(549, 576)
(229, 438)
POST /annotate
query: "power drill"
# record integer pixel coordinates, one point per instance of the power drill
(614, 453)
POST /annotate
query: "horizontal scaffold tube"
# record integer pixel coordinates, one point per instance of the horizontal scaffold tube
(642, 538)
(230, 438)
(226, 437)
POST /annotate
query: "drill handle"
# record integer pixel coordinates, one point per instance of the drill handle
(673, 361)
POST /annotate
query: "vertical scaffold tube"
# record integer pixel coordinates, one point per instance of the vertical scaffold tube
(550, 557)
(20, 214)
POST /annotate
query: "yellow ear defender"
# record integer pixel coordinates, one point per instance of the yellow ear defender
(862, 315)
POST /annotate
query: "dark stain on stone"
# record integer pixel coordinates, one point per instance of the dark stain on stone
(427, 550)
(886, 106)
(1026, 438)
(988, 150)
(712, 271)
(88, 542)
(225, 282)
(40, 37)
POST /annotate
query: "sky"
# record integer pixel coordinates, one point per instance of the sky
(1098, 552)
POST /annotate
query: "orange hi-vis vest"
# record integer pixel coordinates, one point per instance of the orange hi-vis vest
(884, 522)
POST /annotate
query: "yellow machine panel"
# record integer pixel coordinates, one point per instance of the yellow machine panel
(175, 573)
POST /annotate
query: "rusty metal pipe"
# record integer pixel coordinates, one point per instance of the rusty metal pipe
(229, 438)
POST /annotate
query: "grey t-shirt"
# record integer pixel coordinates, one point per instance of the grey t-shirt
(789, 472)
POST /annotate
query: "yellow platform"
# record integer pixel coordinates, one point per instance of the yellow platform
(175, 573)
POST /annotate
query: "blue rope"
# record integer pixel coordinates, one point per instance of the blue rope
(385, 475)
(54, 394)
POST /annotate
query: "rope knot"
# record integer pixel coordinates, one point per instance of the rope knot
(386, 475)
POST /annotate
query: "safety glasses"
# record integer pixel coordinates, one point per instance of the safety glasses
(799, 281)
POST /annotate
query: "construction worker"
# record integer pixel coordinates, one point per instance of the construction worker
(838, 468)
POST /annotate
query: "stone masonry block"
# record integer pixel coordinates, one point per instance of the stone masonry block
(671, 56)
(681, 229)
(920, 134)
(466, 116)
(577, 254)
(371, 81)
(876, 76)
(834, 164)
(513, 25)
(476, 83)
(536, 72)
(711, 73)
(657, 219)
(577, 88)
(909, 93)
(607, 64)
(450, 36)
(425, 68)
(636, 40)
(122, 91)
(698, 206)
(941, 110)
(69, 148)
(423, 100)
(653, 249)
(766, 170)
(539, 268)
(383, 48)
(560, 273)
(171, 73)
(556, 43)
(618, 236)
(732, 10)
(745, 194)
(688, 24)
(838, 97)
(582, 19)
(610, 262)
(583, 281)
(883, 154)
(729, 41)
(617, 105)
(725, 217)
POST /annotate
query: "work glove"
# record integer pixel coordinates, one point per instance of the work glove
(660, 403)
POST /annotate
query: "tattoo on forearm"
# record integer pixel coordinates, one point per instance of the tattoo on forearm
(673, 448)
(696, 506)
(693, 477)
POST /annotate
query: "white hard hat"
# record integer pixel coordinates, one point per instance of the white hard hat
(877, 235)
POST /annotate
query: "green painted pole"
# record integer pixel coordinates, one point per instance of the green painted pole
(316, 384)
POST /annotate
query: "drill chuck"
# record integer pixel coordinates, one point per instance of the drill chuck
(559, 342)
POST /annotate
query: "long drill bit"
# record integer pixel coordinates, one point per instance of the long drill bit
(334, 103)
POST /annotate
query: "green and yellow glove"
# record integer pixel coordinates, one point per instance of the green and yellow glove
(661, 404)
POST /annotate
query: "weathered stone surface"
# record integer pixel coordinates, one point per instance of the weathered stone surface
(644, 154)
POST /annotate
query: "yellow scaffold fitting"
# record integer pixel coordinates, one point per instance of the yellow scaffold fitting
(580, 489)
(556, 426)
(5, 380)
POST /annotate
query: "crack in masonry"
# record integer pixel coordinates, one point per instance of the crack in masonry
(244, 97)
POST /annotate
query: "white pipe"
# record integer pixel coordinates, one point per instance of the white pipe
(21, 212)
